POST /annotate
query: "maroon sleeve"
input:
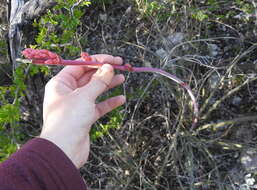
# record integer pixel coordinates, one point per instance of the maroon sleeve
(40, 165)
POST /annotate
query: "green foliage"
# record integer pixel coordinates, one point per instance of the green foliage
(57, 32)
(152, 8)
(115, 121)
(245, 6)
(114, 118)
(199, 15)
(7, 147)
(9, 116)
(3, 47)
(35, 69)
(102, 2)
(222, 10)
(19, 81)
(10, 112)
(58, 27)
(161, 10)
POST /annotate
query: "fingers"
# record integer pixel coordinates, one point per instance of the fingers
(109, 104)
(99, 82)
(117, 80)
(85, 78)
(58, 87)
(75, 72)
(109, 59)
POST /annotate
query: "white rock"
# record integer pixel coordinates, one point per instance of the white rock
(239, 16)
(236, 100)
(128, 11)
(103, 17)
(213, 49)
(248, 160)
(250, 181)
(161, 52)
(176, 38)
(147, 64)
(244, 187)
(213, 81)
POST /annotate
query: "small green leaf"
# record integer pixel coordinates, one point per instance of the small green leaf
(9, 113)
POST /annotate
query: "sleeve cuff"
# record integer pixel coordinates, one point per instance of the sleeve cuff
(57, 161)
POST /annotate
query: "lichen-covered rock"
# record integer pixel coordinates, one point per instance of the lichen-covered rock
(248, 160)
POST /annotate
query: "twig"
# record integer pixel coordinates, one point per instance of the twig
(231, 92)
(20, 13)
(233, 63)
(228, 122)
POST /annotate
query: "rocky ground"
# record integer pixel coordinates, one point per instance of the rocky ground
(153, 147)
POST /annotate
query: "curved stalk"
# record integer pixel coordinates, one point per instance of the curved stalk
(46, 57)
(177, 80)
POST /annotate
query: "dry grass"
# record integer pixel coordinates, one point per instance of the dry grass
(155, 148)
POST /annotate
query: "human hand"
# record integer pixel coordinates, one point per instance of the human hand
(69, 108)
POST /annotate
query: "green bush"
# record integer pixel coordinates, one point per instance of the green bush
(58, 27)
(161, 10)
(10, 114)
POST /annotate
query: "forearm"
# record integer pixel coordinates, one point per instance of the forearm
(39, 164)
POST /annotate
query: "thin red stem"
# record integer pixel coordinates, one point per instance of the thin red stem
(46, 57)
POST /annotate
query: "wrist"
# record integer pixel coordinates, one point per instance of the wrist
(59, 144)
(75, 149)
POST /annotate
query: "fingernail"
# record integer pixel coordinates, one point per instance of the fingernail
(118, 60)
(122, 99)
(121, 77)
(106, 67)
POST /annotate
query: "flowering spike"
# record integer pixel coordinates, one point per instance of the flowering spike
(42, 56)
(128, 67)
(85, 56)
(50, 58)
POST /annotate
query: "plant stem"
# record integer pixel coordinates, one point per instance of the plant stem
(128, 67)
(46, 57)
(177, 80)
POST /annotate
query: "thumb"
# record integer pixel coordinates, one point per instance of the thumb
(99, 82)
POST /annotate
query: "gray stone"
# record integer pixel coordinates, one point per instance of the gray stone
(248, 160)
(236, 100)
(250, 181)
(176, 38)
(161, 52)
(103, 17)
(213, 81)
(244, 187)
(213, 49)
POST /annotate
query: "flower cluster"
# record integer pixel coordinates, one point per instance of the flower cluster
(42, 56)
